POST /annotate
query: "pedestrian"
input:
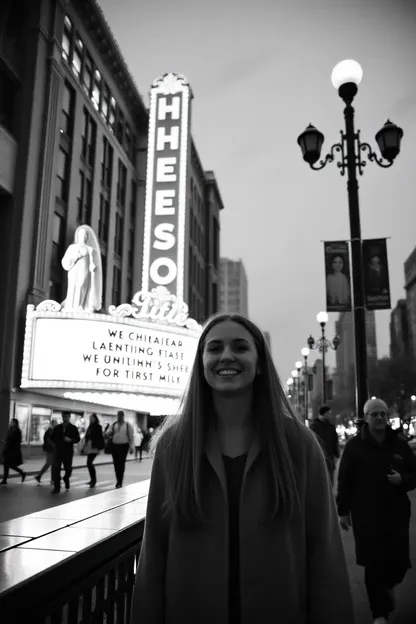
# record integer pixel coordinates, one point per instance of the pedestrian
(64, 437)
(12, 452)
(138, 439)
(93, 444)
(328, 438)
(241, 523)
(376, 471)
(122, 441)
(48, 448)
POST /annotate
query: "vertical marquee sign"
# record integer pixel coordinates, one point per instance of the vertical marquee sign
(166, 185)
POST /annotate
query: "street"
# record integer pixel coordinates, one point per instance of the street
(19, 499)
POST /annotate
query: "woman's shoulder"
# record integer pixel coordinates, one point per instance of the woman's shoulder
(299, 436)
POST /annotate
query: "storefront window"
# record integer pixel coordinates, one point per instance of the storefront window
(22, 413)
(41, 418)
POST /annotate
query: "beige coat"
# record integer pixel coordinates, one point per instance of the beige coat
(294, 573)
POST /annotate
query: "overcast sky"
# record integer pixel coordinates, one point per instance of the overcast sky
(260, 72)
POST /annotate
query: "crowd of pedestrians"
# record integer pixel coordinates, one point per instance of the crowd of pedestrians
(242, 517)
(60, 440)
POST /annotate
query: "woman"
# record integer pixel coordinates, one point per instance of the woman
(93, 444)
(241, 524)
(48, 449)
(12, 453)
(138, 439)
(337, 285)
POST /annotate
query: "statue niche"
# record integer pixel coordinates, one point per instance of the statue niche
(82, 261)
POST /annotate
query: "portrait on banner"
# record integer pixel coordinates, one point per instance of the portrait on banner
(376, 274)
(338, 280)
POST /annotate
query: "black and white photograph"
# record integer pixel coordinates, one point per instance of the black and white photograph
(338, 281)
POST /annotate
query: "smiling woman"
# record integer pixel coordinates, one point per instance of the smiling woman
(240, 506)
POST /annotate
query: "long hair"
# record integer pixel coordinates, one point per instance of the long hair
(182, 449)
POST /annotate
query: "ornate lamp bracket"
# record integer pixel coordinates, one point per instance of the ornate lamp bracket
(329, 158)
(367, 150)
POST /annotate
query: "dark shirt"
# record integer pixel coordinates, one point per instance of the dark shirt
(59, 433)
(328, 439)
(234, 469)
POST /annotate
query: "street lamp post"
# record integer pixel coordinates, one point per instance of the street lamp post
(305, 353)
(298, 366)
(323, 344)
(295, 376)
(346, 77)
(289, 385)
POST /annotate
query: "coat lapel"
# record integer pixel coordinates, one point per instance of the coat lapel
(214, 455)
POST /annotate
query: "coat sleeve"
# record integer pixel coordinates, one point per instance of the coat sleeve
(336, 444)
(408, 481)
(76, 437)
(345, 480)
(148, 601)
(327, 571)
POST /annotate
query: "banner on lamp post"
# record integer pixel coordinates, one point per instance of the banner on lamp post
(338, 277)
(376, 274)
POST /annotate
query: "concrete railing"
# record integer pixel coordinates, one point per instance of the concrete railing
(74, 563)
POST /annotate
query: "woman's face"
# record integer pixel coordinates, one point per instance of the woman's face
(337, 264)
(82, 236)
(229, 358)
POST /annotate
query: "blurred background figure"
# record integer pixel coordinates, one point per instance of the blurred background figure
(93, 445)
(12, 453)
(138, 440)
(48, 449)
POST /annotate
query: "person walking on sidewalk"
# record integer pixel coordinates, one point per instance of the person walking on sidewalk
(64, 437)
(12, 452)
(48, 449)
(376, 471)
(138, 440)
(92, 446)
(327, 438)
(122, 441)
(241, 523)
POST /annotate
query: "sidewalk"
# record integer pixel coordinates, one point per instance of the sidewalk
(33, 465)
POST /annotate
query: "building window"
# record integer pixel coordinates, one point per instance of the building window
(105, 102)
(104, 219)
(107, 164)
(112, 115)
(118, 238)
(85, 200)
(87, 74)
(133, 202)
(104, 272)
(116, 294)
(129, 289)
(68, 102)
(67, 39)
(8, 100)
(121, 184)
(62, 175)
(120, 126)
(57, 235)
(131, 249)
(127, 141)
(89, 138)
(77, 56)
(96, 90)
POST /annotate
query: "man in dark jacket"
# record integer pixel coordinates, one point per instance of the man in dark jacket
(327, 437)
(64, 437)
(377, 470)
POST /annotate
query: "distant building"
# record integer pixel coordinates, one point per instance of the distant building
(233, 287)
(344, 380)
(268, 339)
(410, 286)
(399, 330)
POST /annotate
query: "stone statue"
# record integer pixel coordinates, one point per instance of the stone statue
(82, 260)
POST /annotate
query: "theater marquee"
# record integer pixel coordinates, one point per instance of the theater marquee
(147, 347)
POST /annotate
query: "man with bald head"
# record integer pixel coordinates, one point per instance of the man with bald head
(376, 471)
